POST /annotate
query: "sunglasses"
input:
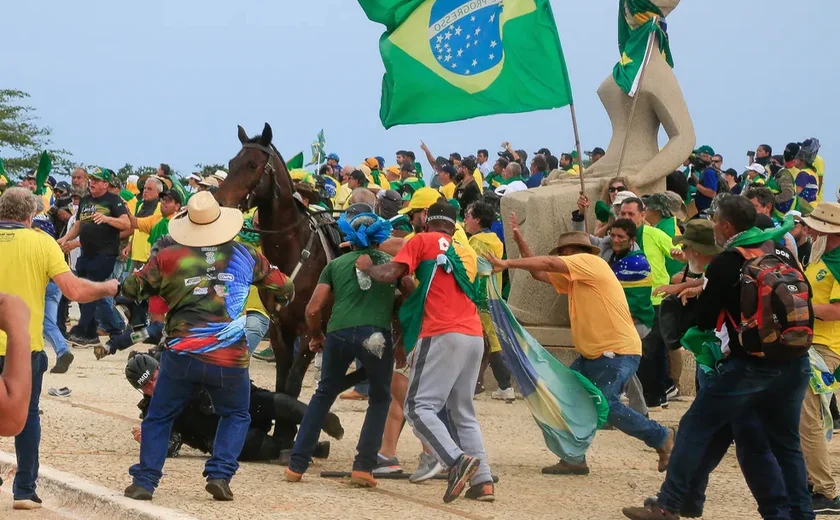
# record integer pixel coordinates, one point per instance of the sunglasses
(617, 189)
(717, 162)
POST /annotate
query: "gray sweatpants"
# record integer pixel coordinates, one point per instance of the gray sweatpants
(444, 372)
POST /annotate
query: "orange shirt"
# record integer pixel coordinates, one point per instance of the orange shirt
(448, 309)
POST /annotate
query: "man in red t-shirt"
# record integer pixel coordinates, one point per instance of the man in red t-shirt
(449, 349)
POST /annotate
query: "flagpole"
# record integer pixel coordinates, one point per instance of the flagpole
(636, 99)
(580, 159)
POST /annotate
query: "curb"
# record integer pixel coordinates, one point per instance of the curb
(82, 497)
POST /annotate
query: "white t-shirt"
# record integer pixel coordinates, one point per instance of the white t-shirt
(485, 168)
(513, 187)
(74, 254)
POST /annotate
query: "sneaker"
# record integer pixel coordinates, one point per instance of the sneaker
(825, 506)
(137, 492)
(387, 465)
(80, 342)
(459, 475)
(566, 468)
(503, 395)
(482, 492)
(291, 476)
(220, 489)
(353, 395)
(661, 402)
(27, 504)
(362, 479)
(426, 469)
(665, 451)
(266, 354)
(672, 393)
(643, 513)
(62, 363)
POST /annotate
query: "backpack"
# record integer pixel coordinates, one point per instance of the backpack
(777, 317)
(723, 186)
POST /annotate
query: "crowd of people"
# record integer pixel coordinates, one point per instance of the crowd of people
(160, 262)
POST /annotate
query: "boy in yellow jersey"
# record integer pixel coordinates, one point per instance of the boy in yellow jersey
(477, 221)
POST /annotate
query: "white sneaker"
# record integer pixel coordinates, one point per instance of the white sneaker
(503, 395)
(426, 469)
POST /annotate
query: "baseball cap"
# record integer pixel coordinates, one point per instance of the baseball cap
(100, 174)
(624, 195)
(757, 168)
(390, 203)
(174, 195)
(51, 181)
(450, 170)
(543, 151)
(597, 151)
(423, 198)
(334, 157)
(455, 155)
(442, 211)
(705, 149)
(62, 186)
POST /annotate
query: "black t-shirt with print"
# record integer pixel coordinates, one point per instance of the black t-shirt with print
(100, 239)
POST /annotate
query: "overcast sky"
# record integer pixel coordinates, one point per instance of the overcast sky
(166, 81)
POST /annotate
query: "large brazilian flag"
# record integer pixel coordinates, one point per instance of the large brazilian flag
(447, 60)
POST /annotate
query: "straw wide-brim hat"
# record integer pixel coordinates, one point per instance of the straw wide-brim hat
(574, 238)
(825, 218)
(205, 223)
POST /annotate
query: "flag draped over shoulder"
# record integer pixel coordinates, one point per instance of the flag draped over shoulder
(567, 407)
(634, 42)
(448, 60)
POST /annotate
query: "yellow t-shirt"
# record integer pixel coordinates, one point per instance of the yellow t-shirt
(479, 179)
(342, 197)
(31, 259)
(825, 290)
(140, 246)
(596, 297)
(254, 303)
(819, 166)
(448, 191)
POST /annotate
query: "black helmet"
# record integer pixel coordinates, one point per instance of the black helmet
(140, 369)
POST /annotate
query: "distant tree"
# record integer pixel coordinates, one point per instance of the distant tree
(140, 171)
(205, 170)
(21, 134)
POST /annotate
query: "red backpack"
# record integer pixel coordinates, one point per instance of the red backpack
(777, 317)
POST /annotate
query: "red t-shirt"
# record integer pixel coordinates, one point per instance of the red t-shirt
(448, 309)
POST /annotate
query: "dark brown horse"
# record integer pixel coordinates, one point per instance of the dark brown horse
(259, 178)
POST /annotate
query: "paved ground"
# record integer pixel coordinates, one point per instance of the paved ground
(88, 434)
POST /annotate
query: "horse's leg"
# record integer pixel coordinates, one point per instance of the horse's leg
(294, 380)
(282, 354)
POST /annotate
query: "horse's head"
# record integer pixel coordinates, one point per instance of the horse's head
(254, 172)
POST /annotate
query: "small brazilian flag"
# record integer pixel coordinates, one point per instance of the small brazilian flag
(448, 60)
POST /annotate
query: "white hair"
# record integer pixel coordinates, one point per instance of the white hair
(364, 196)
(18, 205)
(156, 183)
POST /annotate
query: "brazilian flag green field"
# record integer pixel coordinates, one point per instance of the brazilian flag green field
(448, 60)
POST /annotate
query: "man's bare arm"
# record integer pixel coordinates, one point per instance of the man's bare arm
(84, 291)
(16, 380)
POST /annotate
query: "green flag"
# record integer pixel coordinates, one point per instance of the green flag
(448, 60)
(318, 153)
(43, 173)
(3, 170)
(295, 162)
(633, 43)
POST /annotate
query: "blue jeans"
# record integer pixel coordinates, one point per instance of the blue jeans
(51, 332)
(363, 387)
(610, 375)
(774, 392)
(256, 325)
(179, 378)
(758, 464)
(341, 348)
(29, 440)
(101, 312)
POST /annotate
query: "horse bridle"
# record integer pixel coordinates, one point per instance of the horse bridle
(268, 169)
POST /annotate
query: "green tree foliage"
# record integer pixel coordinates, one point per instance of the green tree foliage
(205, 170)
(22, 138)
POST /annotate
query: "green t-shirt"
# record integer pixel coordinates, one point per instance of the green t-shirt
(353, 307)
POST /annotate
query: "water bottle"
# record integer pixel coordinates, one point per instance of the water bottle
(364, 280)
(139, 336)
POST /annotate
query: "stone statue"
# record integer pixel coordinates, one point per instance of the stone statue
(545, 212)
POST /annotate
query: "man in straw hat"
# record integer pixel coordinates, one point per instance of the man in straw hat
(205, 279)
(610, 352)
(823, 274)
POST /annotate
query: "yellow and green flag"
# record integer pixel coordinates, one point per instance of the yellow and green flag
(448, 60)
(635, 41)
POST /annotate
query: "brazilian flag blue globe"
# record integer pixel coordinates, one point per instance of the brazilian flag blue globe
(448, 60)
